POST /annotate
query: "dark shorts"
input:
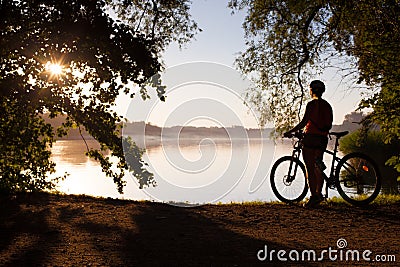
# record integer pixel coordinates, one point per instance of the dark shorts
(315, 141)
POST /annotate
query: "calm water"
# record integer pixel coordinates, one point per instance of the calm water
(191, 171)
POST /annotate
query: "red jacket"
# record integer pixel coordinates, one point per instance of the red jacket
(317, 118)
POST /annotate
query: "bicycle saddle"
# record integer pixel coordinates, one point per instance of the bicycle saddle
(339, 134)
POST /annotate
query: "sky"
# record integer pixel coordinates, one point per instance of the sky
(213, 50)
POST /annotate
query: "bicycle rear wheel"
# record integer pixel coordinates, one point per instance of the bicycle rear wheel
(358, 179)
(287, 187)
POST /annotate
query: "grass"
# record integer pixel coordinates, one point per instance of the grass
(386, 199)
(381, 200)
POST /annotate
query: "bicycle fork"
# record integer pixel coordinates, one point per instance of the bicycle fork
(291, 177)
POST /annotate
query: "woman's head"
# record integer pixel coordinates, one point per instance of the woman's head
(317, 88)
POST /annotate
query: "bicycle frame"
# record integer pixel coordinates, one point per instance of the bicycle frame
(334, 157)
(335, 160)
(297, 148)
(295, 154)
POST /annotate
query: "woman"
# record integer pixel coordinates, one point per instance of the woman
(317, 122)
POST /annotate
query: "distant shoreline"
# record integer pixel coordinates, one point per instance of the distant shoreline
(147, 130)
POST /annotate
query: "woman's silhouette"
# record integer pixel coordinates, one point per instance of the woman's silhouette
(317, 122)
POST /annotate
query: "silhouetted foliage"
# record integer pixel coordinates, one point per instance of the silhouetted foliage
(373, 145)
(289, 41)
(103, 47)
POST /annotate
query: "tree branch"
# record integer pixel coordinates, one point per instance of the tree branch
(83, 138)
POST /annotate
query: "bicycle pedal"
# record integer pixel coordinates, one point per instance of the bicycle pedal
(321, 165)
(332, 186)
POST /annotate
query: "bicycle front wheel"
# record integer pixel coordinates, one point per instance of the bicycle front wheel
(288, 179)
(358, 179)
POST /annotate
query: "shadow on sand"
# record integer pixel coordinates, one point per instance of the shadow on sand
(49, 230)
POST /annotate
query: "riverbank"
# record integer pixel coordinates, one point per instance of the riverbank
(62, 230)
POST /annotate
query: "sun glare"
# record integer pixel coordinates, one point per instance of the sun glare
(54, 68)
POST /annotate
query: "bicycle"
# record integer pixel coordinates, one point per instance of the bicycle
(355, 176)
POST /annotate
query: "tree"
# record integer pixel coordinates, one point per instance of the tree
(75, 57)
(289, 41)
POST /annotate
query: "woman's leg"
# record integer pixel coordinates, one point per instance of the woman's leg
(314, 174)
(318, 173)
(309, 160)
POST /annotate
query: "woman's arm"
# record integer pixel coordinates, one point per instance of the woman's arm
(302, 123)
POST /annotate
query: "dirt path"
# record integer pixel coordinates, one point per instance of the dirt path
(50, 230)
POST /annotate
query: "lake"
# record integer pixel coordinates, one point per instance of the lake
(188, 171)
(194, 171)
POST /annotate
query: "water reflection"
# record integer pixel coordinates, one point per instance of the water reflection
(72, 151)
(86, 176)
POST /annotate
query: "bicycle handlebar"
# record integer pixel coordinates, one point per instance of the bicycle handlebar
(298, 135)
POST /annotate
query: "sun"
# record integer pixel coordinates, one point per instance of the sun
(55, 69)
